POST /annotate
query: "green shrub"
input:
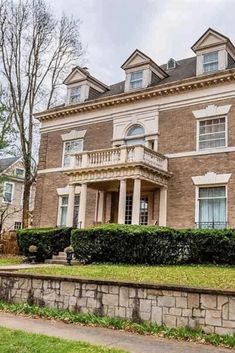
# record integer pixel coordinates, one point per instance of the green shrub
(49, 241)
(153, 245)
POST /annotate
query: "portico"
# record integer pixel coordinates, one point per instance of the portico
(130, 184)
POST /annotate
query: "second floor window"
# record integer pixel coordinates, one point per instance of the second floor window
(136, 80)
(75, 94)
(212, 133)
(8, 192)
(71, 146)
(210, 62)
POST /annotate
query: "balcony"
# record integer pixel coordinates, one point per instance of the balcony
(118, 156)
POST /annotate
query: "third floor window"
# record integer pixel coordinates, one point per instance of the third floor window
(136, 80)
(75, 94)
(210, 62)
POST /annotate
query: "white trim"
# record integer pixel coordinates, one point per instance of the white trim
(65, 191)
(73, 135)
(200, 153)
(211, 178)
(212, 111)
(12, 194)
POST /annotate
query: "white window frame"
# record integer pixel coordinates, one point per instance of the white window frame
(59, 213)
(198, 133)
(136, 80)
(210, 62)
(197, 199)
(63, 154)
(12, 194)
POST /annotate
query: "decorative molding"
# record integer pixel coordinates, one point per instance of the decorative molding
(65, 190)
(211, 111)
(211, 178)
(73, 135)
(200, 153)
(151, 92)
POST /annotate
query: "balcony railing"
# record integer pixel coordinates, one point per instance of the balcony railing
(211, 225)
(117, 156)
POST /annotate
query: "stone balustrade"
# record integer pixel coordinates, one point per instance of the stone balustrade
(212, 310)
(117, 156)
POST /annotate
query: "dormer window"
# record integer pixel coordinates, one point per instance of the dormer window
(75, 94)
(171, 64)
(210, 62)
(136, 79)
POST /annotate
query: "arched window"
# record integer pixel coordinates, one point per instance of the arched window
(135, 135)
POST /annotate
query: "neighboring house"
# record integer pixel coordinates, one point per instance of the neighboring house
(157, 148)
(11, 197)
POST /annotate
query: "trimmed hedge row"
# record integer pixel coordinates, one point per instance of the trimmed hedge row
(153, 245)
(49, 241)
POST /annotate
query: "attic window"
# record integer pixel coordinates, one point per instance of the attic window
(75, 94)
(171, 64)
(210, 62)
(136, 80)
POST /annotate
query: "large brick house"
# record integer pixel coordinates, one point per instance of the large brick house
(157, 148)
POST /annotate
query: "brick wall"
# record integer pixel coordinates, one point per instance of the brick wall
(213, 311)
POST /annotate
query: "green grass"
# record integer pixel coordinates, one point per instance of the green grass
(185, 334)
(10, 260)
(14, 341)
(212, 276)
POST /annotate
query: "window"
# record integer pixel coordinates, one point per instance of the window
(212, 133)
(76, 211)
(136, 80)
(210, 62)
(19, 172)
(171, 64)
(17, 225)
(63, 210)
(144, 210)
(75, 94)
(212, 207)
(71, 146)
(128, 213)
(135, 135)
(8, 192)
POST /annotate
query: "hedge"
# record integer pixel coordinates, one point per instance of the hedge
(153, 245)
(48, 240)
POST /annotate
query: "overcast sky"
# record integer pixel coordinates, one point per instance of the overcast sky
(112, 29)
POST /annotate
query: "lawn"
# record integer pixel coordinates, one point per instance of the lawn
(14, 341)
(10, 260)
(210, 276)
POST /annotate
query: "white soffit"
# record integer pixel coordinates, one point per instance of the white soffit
(211, 178)
(73, 134)
(65, 190)
(212, 110)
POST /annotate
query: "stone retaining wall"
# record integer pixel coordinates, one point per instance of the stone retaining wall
(213, 310)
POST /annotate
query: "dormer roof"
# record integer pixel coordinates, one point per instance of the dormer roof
(138, 59)
(211, 38)
(79, 75)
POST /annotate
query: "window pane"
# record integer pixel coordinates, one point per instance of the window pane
(75, 94)
(212, 133)
(135, 130)
(210, 57)
(137, 75)
(72, 146)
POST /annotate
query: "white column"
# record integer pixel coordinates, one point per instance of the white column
(70, 210)
(108, 205)
(136, 202)
(82, 206)
(122, 202)
(163, 206)
(100, 211)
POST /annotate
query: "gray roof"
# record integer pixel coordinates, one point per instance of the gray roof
(7, 162)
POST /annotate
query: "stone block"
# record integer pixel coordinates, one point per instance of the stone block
(175, 311)
(142, 293)
(123, 296)
(145, 316)
(231, 308)
(145, 305)
(225, 311)
(209, 329)
(114, 289)
(166, 301)
(181, 302)
(120, 312)
(199, 313)
(168, 293)
(92, 303)
(156, 316)
(82, 301)
(153, 293)
(67, 288)
(224, 331)
(110, 299)
(23, 283)
(169, 320)
(229, 324)
(208, 301)
(187, 312)
(104, 289)
(221, 301)
(213, 318)
(193, 300)
(129, 313)
(49, 295)
(88, 293)
(72, 300)
(91, 286)
(182, 321)
(132, 292)
(37, 283)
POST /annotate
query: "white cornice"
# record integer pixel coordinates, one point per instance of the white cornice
(74, 134)
(200, 153)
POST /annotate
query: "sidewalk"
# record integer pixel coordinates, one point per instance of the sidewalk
(105, 337)
(22, 267)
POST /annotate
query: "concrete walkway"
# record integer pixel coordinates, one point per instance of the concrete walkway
(22, 267)
(105, 337)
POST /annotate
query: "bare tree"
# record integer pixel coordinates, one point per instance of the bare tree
(36, 51)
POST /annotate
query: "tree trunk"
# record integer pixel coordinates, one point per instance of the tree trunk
(26, 199)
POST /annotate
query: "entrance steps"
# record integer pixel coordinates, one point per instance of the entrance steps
(60, 259)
